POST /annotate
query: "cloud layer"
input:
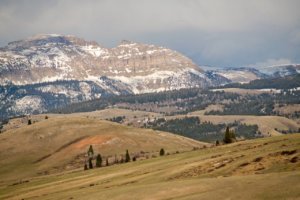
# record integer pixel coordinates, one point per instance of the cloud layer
(229, 33)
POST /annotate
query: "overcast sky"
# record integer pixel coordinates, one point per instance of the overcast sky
(225, 33)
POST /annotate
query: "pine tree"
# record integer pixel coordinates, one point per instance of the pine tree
(91, 163)
(90, 151)
(98, 161)
(232, 136)
(227, 137)
(127, 157)
(162, 152)
(107, 163)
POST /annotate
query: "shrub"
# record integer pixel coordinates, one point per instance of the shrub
(98, 160)
(85, 166)
(29, 122)
(90, 163)
(162, 152)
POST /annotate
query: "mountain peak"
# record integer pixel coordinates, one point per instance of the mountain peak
(50, 57)
(126, 42)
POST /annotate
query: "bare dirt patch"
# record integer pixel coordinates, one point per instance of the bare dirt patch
(93, 140)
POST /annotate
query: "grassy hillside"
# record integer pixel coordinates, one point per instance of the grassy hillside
(267, 168)
(61, 143)
(266, 124)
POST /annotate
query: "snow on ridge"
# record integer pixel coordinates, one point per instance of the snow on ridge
(29, 104)
(94, 50)
(127, 45)
(53, 78)
(136, 81)
(85, 90)
(238, 75)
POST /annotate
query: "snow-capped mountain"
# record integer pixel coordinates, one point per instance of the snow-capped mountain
(30, 68)
(47, 71)
(239, 75)
(139, 67)
(281, 70)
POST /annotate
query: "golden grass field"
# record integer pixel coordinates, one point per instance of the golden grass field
(267, 168)
(45, 160)
(60, 143)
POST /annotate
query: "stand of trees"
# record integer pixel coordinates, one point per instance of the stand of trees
(99, 160)
(204, 131)
(89, 163)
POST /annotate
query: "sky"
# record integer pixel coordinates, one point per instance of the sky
(213, 33)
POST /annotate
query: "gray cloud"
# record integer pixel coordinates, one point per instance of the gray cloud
(211, 32)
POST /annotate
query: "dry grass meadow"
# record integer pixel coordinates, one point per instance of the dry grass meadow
(265, 168)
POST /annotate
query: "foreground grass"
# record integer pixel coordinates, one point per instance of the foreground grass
(266, 168)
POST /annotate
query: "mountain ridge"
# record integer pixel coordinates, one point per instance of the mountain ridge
(48, 71)
(45, 58)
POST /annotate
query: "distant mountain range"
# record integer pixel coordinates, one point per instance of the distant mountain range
(47, 71)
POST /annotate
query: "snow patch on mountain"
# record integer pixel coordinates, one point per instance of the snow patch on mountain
(28, 105)
(281, 70)
(95, 51)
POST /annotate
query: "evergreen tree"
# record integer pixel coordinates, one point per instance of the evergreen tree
(90, 151)
(98, 161)
(107, 163)
(90, 163)
(227, 137)
(85, 166)
(232, 136)
(127, 157)
(162, 152)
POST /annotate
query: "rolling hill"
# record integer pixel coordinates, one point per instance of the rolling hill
(60, 143)
(265, 168)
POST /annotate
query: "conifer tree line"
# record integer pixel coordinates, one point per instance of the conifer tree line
(100, 162)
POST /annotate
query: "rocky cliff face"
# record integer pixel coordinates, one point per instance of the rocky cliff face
(47, 71)
(139, 67)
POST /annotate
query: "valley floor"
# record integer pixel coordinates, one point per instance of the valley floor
(267, 168)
